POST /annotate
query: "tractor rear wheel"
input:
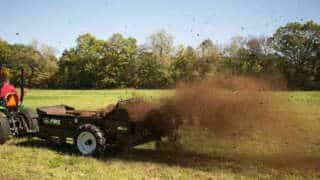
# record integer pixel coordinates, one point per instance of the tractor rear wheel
(31, 119)
(90, 140)
(4, 130)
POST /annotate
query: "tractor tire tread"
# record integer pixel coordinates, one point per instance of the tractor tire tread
(4, 130)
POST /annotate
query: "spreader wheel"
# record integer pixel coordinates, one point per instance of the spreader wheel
(90, 140)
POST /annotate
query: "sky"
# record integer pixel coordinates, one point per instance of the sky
(58, 23)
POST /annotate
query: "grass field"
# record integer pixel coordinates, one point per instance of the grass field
(229, 158)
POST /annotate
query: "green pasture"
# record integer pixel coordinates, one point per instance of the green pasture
(206, 156)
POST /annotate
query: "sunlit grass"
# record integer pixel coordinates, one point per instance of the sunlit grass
(36, 159)
(87, 99)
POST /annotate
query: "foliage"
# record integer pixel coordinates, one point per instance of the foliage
(250, 56)
(298, 46)
(151, 73)
(39, 66)
(78, 65)
(119, 62)
(161, 44)
(183, 64)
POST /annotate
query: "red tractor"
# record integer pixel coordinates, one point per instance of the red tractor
(15, 118)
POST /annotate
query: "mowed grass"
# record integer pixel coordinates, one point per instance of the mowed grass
(207, 157)
(87, 99)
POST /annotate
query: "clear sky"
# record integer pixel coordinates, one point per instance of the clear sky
(58, 22)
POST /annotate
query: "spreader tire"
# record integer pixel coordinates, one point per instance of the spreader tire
(4, 130)
(90, 140)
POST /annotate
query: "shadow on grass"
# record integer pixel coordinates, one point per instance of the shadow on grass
(64, 148)
(246, 165)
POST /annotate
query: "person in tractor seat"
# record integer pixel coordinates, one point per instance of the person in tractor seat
(6, 87)
(9, 98)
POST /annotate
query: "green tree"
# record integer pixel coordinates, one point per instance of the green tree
(298, 45)
(161, 44)
(150, 72)
(96, 63)
(119, 61)
(209, 55)
(5, 51)
(35, 64)
(183, 65)
(51, 65)
(79, 67)
(252, 56)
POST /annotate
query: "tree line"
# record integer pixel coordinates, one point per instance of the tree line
(293, 51)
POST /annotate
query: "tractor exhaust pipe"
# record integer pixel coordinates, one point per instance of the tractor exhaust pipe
(21, 85)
